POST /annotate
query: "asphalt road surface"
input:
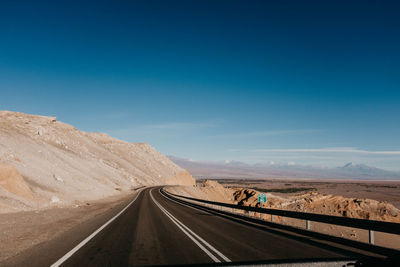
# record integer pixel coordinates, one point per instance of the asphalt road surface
(153, 230)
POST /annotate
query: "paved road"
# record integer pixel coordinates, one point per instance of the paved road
(154, 230)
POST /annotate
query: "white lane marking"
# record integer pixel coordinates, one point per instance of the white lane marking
(187, 231)
(215, 259)
(198, 237)
(184, 204)
(87, 239)
(201, 239)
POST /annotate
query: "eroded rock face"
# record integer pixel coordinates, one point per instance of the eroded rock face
(245, 196)
(348, 207)
(312, 202)
(56, 159)
(324, 204)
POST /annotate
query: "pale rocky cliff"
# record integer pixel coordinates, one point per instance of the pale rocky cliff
(45, 162)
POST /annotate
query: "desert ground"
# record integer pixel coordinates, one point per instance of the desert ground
(21, 231)
(46, 163)
(357, 199)
(54, 177)
(388, 191)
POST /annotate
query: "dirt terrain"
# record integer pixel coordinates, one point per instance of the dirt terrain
(387, 191)
(23, 230)
(54, 177)
(304, 196)
(45, 163)
(208, 189)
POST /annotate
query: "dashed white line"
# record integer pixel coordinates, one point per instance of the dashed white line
(192, 235)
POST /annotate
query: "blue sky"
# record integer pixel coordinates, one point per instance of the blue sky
(311, 82)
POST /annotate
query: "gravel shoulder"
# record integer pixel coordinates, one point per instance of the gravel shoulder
(23, 233)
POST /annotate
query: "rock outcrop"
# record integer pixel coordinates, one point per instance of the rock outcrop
(314, 202)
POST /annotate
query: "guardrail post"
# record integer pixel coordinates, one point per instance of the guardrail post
(371, 237)
(380, 226)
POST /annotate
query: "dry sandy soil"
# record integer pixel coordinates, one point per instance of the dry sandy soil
(22, 230)
(388, 191)
(309, 196)
(49, 171)
(54, 177)
(46, 163)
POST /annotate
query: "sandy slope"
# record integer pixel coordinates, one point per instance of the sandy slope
(209, 190)
(45, 163)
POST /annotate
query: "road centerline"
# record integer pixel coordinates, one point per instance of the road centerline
(201, 239)
(186, 230)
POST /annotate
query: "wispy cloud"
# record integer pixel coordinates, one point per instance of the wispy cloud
(106, 116)
(322, 150)
(178, 126)
(161, 129)
(265, 133)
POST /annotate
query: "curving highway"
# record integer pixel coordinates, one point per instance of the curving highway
(154, 230)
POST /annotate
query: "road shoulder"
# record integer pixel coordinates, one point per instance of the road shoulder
(25, 234)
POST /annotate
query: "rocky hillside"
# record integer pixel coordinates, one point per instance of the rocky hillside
(44, 162)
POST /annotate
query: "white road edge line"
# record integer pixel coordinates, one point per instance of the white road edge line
(87, 239)
(202, 240)
(190, 231)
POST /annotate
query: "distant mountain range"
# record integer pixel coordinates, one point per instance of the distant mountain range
(237, 169)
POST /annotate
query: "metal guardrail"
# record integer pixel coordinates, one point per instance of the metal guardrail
(370, 225)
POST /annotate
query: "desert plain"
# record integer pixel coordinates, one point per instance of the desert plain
(387, 191)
